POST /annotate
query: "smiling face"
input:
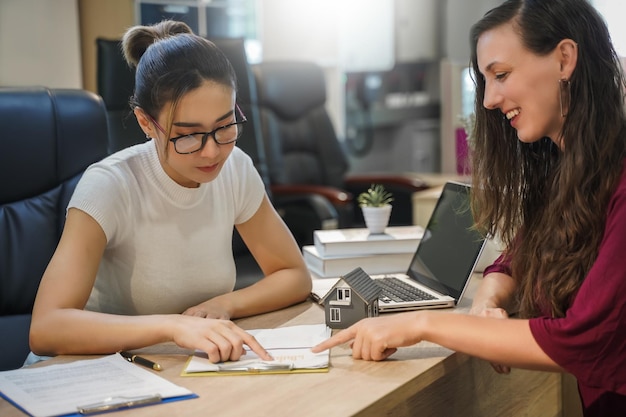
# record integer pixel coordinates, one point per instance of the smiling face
(204, 109)
(522, 85)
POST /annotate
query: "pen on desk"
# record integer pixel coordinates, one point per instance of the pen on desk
(141, 361)
(118, 403)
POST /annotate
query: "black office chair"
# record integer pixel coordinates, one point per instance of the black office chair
(116, 82)
(48, 138)
(302, 148)
(297, 208)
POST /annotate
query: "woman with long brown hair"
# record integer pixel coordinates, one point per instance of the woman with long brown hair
(549, 180)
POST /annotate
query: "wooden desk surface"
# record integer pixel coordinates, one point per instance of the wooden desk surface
(425, 378)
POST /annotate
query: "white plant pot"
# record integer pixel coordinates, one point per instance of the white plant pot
(376, 218)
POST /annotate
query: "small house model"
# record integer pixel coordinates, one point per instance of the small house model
(352, 298)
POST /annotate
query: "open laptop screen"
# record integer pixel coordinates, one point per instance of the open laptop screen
(450, 248)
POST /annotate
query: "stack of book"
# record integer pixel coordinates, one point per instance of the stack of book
(337, 252)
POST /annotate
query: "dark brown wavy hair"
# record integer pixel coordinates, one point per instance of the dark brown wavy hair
(548, 205)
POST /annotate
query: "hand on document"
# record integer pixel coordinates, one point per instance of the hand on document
(290, 348)
(221, 340)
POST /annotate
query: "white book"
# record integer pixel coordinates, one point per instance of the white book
(359, 241)
(335, 266)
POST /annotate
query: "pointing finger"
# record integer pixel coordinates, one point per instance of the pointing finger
(336, 340)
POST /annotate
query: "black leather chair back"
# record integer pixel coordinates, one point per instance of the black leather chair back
(116, 84)
(300, 141)
(47, 139)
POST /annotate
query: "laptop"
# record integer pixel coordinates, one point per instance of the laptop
(444, 260)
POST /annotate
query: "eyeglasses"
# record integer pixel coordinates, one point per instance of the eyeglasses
(194, 142)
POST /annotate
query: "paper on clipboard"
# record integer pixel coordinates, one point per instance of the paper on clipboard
(289, 346)
(64, 389)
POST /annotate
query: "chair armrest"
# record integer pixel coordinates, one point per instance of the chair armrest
(321, 207)
(335, 196)
(408, 182)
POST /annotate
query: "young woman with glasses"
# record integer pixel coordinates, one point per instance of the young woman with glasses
(146, 253)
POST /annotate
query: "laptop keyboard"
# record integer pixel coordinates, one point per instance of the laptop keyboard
(397, 290)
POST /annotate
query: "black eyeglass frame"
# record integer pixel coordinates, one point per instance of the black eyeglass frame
(205, 135)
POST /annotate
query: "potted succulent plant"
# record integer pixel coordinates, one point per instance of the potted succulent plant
(375, 204)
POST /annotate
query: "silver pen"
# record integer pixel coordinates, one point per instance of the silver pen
(117, 403)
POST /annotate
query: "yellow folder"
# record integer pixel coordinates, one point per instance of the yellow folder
(290, 348)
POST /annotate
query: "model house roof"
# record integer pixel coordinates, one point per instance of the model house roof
(361, 283)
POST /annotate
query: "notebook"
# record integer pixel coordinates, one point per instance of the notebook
(443, 262)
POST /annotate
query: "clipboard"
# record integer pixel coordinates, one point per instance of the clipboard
(70, 389)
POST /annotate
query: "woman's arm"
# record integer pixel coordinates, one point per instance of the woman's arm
(287, 280)
(507, 341)
(488, 333)
(495, 292)
(494, 298)
(60, 325)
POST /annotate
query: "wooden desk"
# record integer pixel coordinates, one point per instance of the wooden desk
(423, 380)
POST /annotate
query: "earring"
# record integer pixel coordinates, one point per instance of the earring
(148, 136)
(564, 96)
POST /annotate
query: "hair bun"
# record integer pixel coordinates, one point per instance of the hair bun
(138, 38)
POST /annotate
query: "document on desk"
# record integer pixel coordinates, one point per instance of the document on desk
(86, 387)
(289, 346)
